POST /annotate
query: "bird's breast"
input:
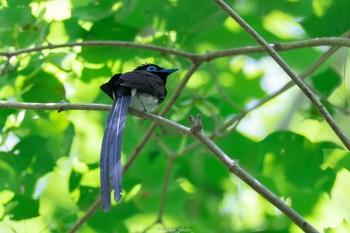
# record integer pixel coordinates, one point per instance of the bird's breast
(144, 101)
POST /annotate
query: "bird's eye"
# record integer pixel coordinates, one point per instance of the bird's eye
(151, 68)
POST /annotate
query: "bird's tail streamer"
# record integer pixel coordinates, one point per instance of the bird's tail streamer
(111, 168)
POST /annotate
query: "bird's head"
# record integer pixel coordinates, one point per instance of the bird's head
(157, 70)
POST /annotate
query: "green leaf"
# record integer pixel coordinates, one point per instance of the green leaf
(87, 196)
(326, 82)
(22, 207)
(18, 2)
(74, 180)
(244, 150)
(31, 154)
(116, 31)
(43, 86)
(122, 210)
(73, 29)
(333, 23)
(91, 10)
(90, 74)
(4, 113)
(290, 157)
(238, 92)
(13, 18)
(304, 201)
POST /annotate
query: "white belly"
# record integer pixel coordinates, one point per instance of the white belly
(143, 102)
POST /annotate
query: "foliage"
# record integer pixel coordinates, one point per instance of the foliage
(49, 161)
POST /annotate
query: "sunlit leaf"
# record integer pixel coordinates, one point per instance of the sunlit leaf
(333, 22)
(22, 207)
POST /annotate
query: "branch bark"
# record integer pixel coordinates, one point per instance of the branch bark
(195, 131)
(326, 41)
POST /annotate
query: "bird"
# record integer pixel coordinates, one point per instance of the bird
(142, 89)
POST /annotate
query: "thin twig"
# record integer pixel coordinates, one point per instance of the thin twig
(86, 216)
(162, 145)
(294, 76)
(165, 189)
(4, 68)
(222, 131)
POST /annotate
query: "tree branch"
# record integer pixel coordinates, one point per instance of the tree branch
(53, 106)
(326, 41)
(104, 43)
(290, 84)
(294, 76)
(195, 131)
(165, 189)
(232, 165)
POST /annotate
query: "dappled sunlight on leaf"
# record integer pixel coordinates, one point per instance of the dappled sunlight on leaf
(340, 193)
(282, 25)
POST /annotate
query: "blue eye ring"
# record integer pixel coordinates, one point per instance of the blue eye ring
(151, 68)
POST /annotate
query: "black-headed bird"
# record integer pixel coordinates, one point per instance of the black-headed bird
(142, 89)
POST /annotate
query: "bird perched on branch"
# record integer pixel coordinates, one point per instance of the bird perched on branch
(142, 89)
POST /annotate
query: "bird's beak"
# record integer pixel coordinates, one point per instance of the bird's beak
(169, 71)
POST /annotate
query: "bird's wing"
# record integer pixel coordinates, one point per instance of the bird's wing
(111, 168)
(110, 86)
(144, 81)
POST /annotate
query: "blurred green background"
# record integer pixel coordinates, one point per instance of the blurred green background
(49, 161)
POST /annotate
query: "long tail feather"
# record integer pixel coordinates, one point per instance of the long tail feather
(111, 168)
